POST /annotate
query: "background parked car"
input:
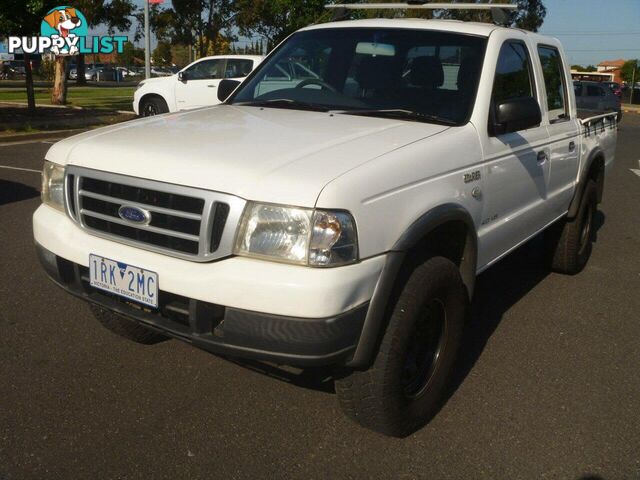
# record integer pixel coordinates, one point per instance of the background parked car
(194, 86)
(101, 74)
(161, 72)
(593, 98)
(615, 87)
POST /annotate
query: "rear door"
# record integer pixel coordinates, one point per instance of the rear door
(563, 128)
(517, 163)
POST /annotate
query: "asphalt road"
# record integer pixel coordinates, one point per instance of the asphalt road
(548, 385)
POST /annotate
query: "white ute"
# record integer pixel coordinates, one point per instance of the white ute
(192, 87)
(337, 216)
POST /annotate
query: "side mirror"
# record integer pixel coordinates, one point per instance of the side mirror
(183, 77)
(226, 88)
(516, 114)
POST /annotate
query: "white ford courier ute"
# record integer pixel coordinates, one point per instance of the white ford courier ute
(338, 216)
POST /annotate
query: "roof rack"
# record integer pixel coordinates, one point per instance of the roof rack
(499, 11)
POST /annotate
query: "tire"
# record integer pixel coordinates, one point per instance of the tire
(404, 387)
(150, 107)
(126, 328)
(573, 239)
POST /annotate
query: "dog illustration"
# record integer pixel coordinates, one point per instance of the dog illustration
(63, 21)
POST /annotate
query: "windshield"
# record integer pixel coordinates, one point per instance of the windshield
(419, 75)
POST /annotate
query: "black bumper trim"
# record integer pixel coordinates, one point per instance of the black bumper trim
(225, 330)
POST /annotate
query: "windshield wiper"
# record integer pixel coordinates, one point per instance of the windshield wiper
(398, 113)
(284, 103)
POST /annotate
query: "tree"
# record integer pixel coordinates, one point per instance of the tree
(274, 20)
(590, 68)
(579, 68)
(128, 54)
(628, 69)
(198, 23)
(180, 55)
(115, 14)
(23, 18)
(162, 54)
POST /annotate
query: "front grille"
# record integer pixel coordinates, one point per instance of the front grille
(184, 222)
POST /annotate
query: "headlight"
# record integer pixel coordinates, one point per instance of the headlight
(53, 185)
(302, 236)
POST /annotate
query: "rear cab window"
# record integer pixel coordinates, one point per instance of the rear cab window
(555, 83)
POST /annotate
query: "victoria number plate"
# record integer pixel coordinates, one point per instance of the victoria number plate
(131, 282)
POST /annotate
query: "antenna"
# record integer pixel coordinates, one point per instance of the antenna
(499, 12)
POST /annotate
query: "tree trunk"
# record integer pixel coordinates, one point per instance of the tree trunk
(59, 92)
(31, 97)
(80, 69)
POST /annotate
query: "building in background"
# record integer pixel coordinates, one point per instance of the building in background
(613, 67)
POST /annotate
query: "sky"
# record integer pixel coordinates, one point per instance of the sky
(595, 30)
(590, 30)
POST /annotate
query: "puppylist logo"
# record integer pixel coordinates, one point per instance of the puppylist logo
(64, 31)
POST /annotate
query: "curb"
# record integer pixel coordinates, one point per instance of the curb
(70, 107)
(50, 135)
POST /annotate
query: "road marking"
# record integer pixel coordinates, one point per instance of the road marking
(21, 169)
(23, 142)
(637, 172)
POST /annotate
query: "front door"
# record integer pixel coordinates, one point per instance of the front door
(517, 165)
(200, 85)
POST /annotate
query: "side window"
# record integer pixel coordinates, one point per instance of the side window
(206, 70)
(554, 81)
(577, 88)
(238, 68)
(594, 91)
(514, 78)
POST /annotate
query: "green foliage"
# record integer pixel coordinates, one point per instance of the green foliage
(180, 55)
(590, 68)
(115, 14)
(276, 19)
(627, 71)
(579, 68)
(127, 55)
(162, 54)
(192, 22)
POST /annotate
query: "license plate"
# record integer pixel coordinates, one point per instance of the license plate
(127, 281)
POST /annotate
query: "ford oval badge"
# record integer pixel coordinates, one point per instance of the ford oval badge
(134, 215)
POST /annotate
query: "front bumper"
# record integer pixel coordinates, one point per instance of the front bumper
(224, 330)
(237, 306)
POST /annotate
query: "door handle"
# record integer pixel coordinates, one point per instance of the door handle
(211, 86)
(542, 157)
(572, 146)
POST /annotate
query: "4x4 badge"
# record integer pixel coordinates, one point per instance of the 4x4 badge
(472, 176)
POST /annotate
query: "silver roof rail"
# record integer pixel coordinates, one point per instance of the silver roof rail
(499, 11)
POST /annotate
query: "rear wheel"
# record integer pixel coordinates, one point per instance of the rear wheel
(152, 106)
(403, 388)
(126, 328)
(573, 239)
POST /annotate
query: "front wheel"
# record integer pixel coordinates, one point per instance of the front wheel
(403, 388)
(150, 107)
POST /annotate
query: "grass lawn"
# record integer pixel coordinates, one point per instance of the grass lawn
(100, 98)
